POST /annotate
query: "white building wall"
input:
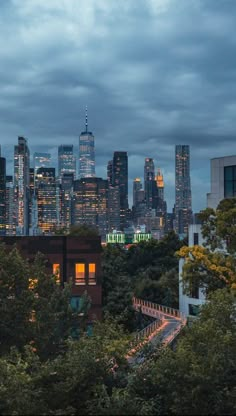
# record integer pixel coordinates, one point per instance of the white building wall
(217, 179)
(186, 301)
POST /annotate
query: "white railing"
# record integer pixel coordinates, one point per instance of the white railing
(155, 310)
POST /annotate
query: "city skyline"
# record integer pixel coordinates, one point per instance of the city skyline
(146, 90)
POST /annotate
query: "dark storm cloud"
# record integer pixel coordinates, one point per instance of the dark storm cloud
(154, 73)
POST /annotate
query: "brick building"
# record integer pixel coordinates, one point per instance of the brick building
(76, 258)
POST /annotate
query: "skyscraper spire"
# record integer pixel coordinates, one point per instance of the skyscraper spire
(86, 119)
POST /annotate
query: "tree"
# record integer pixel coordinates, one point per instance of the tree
(33, 307)
(219, 226)
(198, 378)
(16, 300)
(69, 383)
(206, 269)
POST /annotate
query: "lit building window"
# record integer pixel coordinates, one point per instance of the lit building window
(92, 272)
(56, 272)
(80, 274)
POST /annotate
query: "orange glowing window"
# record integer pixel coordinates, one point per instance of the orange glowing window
(56, 272)
(80, 274)
(92, 273)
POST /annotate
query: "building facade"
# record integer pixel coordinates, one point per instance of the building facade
(190, 300)
(183, 196)
(76, 258)
(223, 180)
(149, 182)
(2, 195)
(120, 180)
(10, 207)
(21, 185)
(41, 160)
(46, 200)
(66, 160)
(90, 203)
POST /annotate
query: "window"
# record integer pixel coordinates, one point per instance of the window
(56, 272)
(193, 309)
(230, 181)
(92, 272)
(80, 274)
(194, 290)
(75, 303)
(195, 239)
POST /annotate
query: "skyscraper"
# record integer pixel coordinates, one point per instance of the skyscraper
(41, 160)
(66, 187)
(120, 179)
(10, 207)
(86, 153)
(21, 185)
(66, 160)
(149, 181)
(89, 203)
(183, 198)
(2, 195)
(137, 187)
(46, 199)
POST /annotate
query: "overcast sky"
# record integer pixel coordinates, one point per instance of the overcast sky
(153, 73)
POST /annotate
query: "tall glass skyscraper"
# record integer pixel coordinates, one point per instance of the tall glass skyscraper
(2, 195)
(89, 204)
(149, 181)
(183, 196)
(46, 199)
(41, 160)
(86, 153)
(66, 160)
(21, 185)
(10, 207)
(120, 179)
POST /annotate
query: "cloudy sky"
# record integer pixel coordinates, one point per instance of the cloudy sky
(154, 73)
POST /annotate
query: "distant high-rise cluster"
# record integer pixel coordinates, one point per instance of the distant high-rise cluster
(39, 200)
(149, 206)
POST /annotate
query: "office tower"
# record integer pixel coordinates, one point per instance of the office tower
(113, 208)
(2, 195)
(120, 179)
(46, 200)
(149, 181)
(86, 153)
(10, 207)
(160, 203)
(139, 205)
(31, 195)
(183, 198)
(89, 203)
(21, 185)
(41, 160)
(110, 172)
(137, 187)
(223, 180)
(66, 187)
(160, 184)
(66, 160)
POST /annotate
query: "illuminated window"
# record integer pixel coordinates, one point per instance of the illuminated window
(80, 274)
(92, 271)
(56, 272)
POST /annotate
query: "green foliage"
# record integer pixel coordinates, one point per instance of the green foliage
(83, 230)
(219, 225)
(33, 308)
(148, 270)
(66, 384)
